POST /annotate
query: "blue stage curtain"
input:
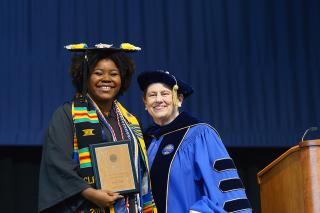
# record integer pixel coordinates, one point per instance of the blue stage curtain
(254, 65)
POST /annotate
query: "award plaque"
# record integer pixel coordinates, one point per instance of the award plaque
(113, 167)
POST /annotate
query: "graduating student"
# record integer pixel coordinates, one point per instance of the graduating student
(100, 75)
(191, 171)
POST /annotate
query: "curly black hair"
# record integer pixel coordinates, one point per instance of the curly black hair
(123, 62)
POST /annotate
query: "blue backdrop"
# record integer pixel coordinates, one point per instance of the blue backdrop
(254, 64)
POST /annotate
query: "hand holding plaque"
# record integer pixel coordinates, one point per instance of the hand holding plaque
(113, 167)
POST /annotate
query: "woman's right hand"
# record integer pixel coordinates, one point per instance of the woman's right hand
(101, 198)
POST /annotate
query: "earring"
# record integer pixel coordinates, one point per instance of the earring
(145, 108)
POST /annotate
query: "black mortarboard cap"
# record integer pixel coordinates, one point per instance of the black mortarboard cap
(99, 49)
(160, 76)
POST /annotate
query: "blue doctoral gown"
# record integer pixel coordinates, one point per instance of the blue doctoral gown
(191, 171)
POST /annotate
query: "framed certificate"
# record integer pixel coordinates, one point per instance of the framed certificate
(114, 167)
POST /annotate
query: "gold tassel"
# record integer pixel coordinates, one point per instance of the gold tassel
(175, 99)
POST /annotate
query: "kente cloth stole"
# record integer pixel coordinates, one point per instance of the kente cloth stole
(88, 131)
(147, 201)
(160, 170)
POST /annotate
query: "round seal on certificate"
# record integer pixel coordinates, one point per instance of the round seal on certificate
(113, 158)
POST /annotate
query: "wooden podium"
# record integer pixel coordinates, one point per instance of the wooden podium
(291, 183)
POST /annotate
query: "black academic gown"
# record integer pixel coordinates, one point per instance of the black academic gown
(59, 183)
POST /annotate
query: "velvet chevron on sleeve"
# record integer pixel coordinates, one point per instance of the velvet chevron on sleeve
(191, 171)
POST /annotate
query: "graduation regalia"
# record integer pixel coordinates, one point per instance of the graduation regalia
(191, 170)
(60, 181)
(66, 168)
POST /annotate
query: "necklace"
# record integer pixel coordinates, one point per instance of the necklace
(122, 120)
(104, 121)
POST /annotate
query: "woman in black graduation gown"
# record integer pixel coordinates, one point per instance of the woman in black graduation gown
(100, 75)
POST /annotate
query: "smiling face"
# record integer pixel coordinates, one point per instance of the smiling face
(159, 104)
(104, 82)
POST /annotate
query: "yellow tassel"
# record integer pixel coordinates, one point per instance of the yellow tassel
(175, 99)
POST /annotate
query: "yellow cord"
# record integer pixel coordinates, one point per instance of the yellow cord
(175, 99)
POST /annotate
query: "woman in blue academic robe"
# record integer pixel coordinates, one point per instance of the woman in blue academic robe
(191, 170)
